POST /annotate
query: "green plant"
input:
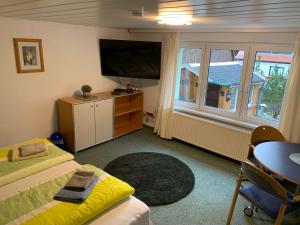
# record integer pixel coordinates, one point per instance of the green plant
(86, 88)
(273, 92)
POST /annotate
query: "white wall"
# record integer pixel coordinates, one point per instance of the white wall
(71, 58)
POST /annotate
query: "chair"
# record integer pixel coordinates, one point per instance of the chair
(264, 192)
(262, 134)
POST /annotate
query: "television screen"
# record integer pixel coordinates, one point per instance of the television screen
(137, 59)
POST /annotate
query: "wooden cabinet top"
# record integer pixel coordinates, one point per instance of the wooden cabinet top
(96, 97)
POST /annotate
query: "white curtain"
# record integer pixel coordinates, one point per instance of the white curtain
(290, 114)
(164, 120)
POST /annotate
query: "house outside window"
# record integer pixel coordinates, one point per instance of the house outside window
(241, 82)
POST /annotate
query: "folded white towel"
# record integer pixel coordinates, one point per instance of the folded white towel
(32, 149)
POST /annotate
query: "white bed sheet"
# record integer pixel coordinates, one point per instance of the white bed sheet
(130, 211)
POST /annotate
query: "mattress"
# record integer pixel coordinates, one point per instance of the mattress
(129, 211)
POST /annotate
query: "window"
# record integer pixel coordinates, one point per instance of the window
(233, 98)
(250, 96)
(268, 85)
(188, 75)
(241, 82)
(224, 78)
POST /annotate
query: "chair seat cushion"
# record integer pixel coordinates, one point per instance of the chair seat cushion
(265, 201)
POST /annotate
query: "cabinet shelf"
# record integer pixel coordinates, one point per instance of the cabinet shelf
(126, 128)
(125, 110)
(122, 129)
(128, 114)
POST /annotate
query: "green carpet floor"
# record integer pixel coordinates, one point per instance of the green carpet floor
(208, 203)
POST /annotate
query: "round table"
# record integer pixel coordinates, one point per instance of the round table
(275, 157)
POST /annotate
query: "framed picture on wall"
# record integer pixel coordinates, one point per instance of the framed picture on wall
(29, 55)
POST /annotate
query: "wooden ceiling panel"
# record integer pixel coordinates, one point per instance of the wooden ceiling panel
(118, 13)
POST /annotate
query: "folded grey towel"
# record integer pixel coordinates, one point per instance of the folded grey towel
(32, 149)
(80, 180)
(76, 196)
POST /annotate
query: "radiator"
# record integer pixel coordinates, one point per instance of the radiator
(221, 138)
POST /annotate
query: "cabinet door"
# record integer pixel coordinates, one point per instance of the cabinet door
(84, 123)
(104, 120)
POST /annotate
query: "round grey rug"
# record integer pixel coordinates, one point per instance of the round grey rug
(158, 179)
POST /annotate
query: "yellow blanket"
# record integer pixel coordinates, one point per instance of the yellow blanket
(36, 205)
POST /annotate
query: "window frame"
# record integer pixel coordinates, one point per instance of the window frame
(252, 53)
(179, 102)
(240, 115)
(250, 95)
(236, 94)
(222, 46)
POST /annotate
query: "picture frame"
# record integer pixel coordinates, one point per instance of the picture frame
(29, 55)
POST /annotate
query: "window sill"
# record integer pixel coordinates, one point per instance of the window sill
(216, 118)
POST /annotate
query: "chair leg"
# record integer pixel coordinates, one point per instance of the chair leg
(280, 214)
(235, 195)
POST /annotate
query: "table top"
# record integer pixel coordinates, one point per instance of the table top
(274, 156)
(96, 97)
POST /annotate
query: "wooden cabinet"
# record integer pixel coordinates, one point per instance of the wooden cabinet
(128, 113)
(84, 124)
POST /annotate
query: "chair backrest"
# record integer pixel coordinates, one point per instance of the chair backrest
(263, 180)
(265, 133)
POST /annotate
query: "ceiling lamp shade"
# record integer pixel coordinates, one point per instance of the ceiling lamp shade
(175, 18)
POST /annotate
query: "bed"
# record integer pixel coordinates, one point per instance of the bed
(28, 198)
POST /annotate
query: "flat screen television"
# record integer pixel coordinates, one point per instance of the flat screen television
(138, 59)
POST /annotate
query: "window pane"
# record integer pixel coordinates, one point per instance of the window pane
(270, 74)
(224, 77)
(189, 73)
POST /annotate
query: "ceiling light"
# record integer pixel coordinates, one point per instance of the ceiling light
(175, 18)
